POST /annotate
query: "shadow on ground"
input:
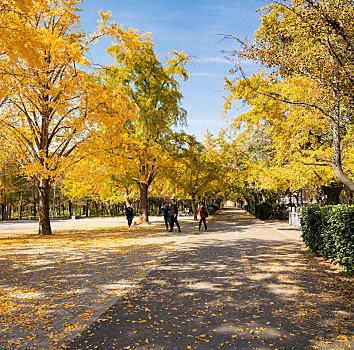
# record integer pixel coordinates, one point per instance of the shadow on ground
(51, 285)
(222, 291)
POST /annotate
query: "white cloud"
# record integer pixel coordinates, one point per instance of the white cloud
(208, 75)
(214, 59)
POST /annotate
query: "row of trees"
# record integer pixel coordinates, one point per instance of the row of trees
(191, 174)
(103, 132)
(108, 134)
(297, 135)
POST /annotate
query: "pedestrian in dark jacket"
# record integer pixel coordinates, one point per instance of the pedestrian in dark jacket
(174, 214)
(129, 213)
(167, 215)
(203, 215)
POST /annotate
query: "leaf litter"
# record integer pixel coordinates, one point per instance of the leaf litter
(52, 285)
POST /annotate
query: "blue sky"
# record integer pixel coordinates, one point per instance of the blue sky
(195, 27)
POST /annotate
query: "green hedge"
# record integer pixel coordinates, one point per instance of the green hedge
(329, 232)
(268, 210)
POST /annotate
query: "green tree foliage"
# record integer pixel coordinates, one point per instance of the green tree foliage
(154, 88)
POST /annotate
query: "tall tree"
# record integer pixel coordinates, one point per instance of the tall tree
(274, 144)
(313, 40)
(196, 170)
(154, 88)
(49, 106)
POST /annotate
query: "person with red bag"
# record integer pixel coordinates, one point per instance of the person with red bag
(203, 215)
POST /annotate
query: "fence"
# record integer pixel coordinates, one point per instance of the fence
(295, 216)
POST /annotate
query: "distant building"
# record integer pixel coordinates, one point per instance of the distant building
(229, 204)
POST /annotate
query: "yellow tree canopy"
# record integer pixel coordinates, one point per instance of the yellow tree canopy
(154, 88)
(309, 47)
(277, 145)
(50, 106)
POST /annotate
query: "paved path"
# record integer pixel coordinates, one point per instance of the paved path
(29, 226)
(244, 284)
(52, 287)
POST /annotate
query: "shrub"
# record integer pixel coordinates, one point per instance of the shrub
(329, 232)
(268, 210)
(213, 208)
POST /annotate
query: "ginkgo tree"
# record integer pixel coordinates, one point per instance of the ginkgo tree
(310, 45)
(275, 144)
(49, 104)
(196, 171)
(154, 88)
(102, 178)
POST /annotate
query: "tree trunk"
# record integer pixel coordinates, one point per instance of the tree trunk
(87, 209)
(159, 206)
(332, 194)
(337, 152)
(126, 197)
(109, 208)
(144, 210)
(20, 207)
(3, 209)
(70, 209)
(34, 202)
(4, 201)
(194, 210)
(43, 208)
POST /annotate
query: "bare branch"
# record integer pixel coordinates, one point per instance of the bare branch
(317, 164)
(280, 98)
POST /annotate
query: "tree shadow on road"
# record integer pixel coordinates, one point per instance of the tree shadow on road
(237, 294)
(50, 285)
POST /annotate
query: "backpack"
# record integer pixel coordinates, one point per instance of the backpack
(206, 213)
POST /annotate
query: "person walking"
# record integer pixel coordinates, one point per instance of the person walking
(129, 213)
(203, 214)
(167, 215)
(174, 214)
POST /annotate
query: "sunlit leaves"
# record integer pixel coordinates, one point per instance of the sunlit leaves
(307, 92)
(274, 141)
(50, 108)
(153, 87)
